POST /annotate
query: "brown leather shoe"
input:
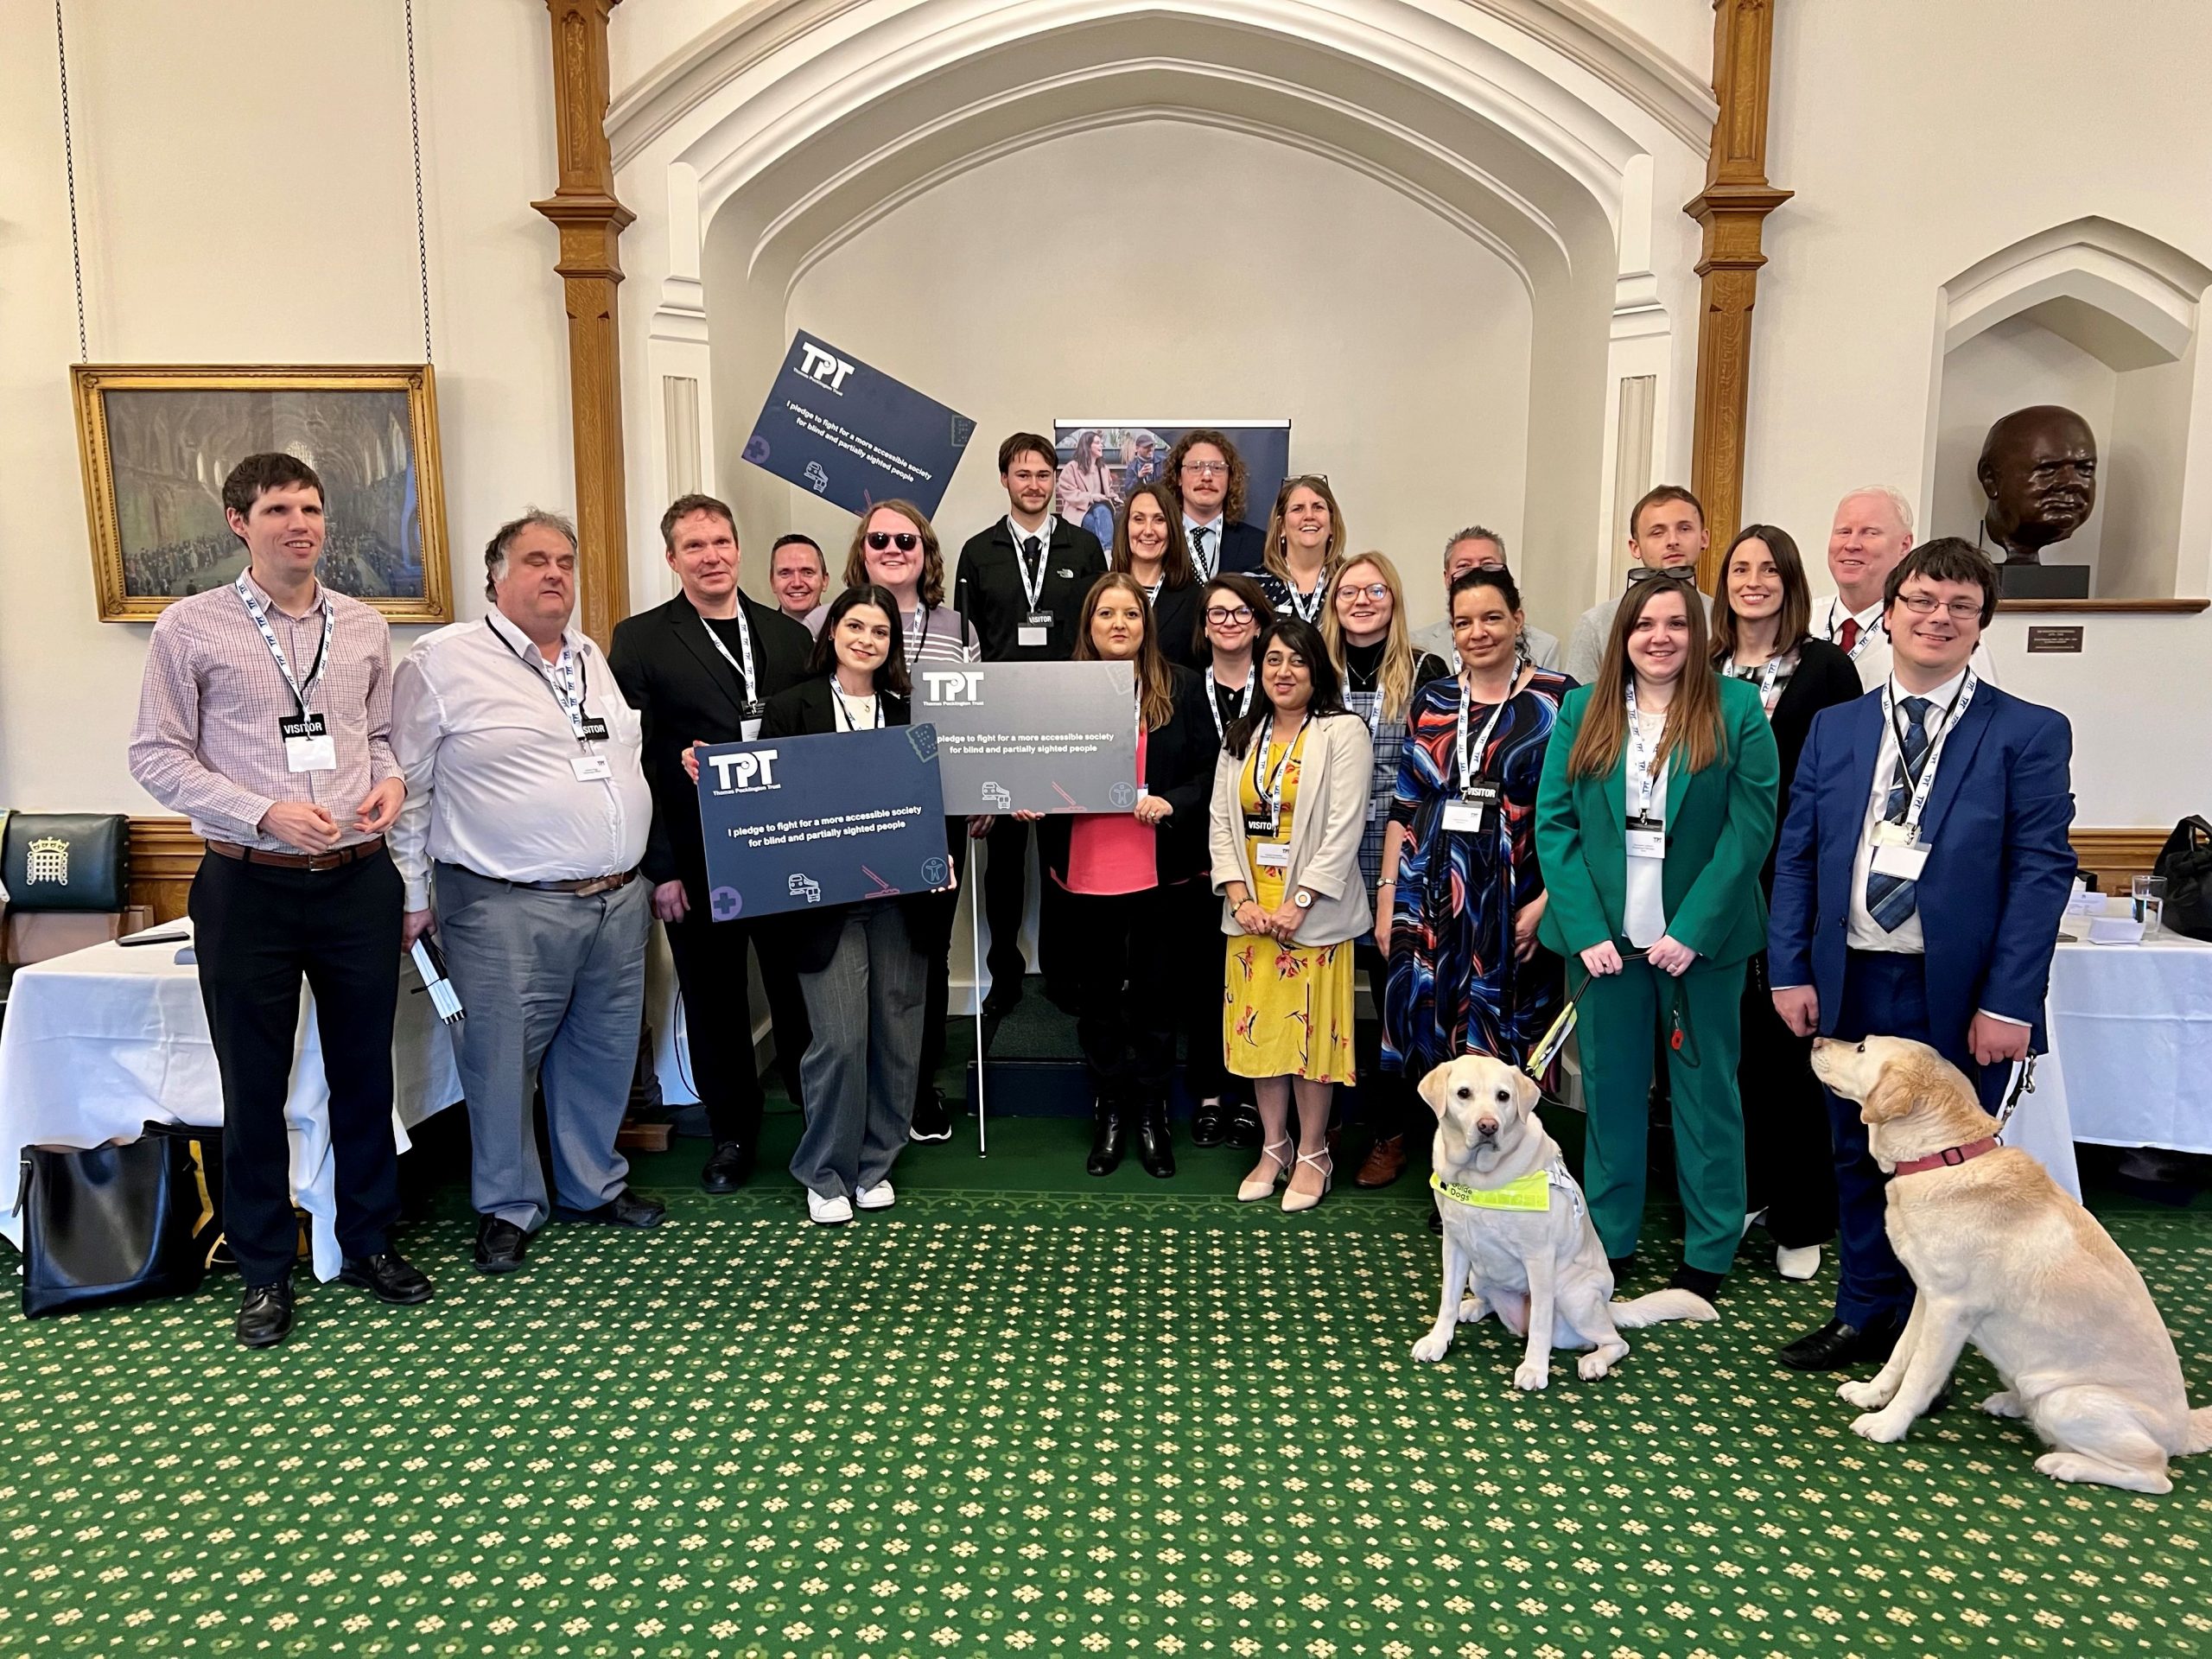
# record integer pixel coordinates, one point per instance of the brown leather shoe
(1386, 1161)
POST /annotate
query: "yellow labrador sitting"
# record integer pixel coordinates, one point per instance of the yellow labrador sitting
(2002, 1257)
(1518, 1237)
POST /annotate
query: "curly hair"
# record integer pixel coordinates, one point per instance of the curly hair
(1232, 507)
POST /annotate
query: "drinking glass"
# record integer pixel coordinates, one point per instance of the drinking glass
(2150, 899)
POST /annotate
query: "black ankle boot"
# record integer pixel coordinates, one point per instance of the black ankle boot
(1154, 1151)
(1108, 1140)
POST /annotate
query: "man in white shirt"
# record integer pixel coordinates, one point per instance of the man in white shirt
(520, 844)
(1666, 531)
(1871, 531)
(1477, 548)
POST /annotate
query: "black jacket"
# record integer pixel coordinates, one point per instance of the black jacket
(1175, 624)
(672, 674)
(1243, 547)
(1179, 763)
(987, 590)
(1824, 678)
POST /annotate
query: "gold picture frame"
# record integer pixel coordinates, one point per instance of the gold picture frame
(156, 441)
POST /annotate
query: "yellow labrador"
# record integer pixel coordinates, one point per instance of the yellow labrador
(2002, 1257)
(1536, 1264)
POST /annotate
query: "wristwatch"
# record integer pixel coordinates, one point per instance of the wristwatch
(1302, 899)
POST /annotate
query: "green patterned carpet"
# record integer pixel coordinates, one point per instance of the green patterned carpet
(1138, 1420)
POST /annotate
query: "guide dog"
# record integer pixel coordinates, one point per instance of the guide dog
(1526, 1250)
(2004, 1258)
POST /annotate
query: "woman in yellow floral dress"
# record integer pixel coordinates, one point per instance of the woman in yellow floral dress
(1289, 803)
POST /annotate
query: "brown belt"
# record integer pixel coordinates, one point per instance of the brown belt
(583, 888)
(330, 860)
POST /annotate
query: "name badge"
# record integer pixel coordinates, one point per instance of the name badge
(1906, 862)
(748, 725)
(1275, 855)
(1468, 811)
(1647, 838)
(593, 730)
(308, 746)
(1037, 630)
(589, 768)
(1261, 826)
(1892, 835)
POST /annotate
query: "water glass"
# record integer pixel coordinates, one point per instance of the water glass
(2150, 901)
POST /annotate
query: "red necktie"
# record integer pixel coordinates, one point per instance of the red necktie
(1850, 633)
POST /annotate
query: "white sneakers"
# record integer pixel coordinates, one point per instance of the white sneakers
(828, 1211)
(1802, 1263)
(878, 1197)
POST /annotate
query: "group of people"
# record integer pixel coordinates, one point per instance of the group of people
(1717, 825)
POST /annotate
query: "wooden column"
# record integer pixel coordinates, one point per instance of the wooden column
(590, 221)
(1736, 199)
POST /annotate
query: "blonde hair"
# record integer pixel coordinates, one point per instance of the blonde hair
(932, 582)
(1396, 678)
(1332, 558)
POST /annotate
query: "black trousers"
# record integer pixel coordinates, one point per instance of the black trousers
(1195, 952)
(718, 1019)
(256, 930)
(1788, 1164)
(1127, 1024)
(930, 922)
(1006, 896)
(1388, 1100)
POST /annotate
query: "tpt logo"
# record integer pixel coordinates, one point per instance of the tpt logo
(824, 368)
(942, 686)
(744, 774)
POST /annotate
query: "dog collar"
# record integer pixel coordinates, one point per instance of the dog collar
(1529, 1192)
(1950, 1156)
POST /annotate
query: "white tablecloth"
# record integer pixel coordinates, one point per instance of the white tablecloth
(100, 1042)
(2131, 1040)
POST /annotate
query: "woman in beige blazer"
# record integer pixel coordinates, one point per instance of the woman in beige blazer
(1289, 803)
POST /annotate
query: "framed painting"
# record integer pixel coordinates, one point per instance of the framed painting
(157, 444)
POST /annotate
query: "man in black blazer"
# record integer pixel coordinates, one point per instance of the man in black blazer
(700, 670)
(1206, 475)
(1021, 584)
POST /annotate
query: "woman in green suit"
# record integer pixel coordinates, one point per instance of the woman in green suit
(1653, 818)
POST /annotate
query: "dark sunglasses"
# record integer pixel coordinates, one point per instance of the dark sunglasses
(879, 539)
(1665, 572)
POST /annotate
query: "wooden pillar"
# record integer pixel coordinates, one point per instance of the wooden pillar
(1736, 199)
(590, 221)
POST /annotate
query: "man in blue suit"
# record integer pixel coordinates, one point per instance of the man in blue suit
(1918, 886)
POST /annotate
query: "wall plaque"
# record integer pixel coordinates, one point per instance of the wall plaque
(2053, 640)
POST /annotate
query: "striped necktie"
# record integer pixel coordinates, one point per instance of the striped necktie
(1890, 900)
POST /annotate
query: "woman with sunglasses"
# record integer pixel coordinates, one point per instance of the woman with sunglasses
(1289, 800)
(895, 548)
(1654, 814)
(1761, 634)
(1125, 874)
(1149, 546)
(1364, 628)
(1306, 544)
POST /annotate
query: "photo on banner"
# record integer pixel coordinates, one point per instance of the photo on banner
(853, 435)
(1101, 461)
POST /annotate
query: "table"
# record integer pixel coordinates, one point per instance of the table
(102, 1041)
(2130, 1039)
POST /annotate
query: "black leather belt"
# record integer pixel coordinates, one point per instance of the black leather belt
(583, 888)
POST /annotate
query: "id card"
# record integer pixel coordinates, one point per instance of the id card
(308, 746)
(1261, 826)
(1470, 810)
(1906, 862)
(589, 768)
(1037, 630)
(1275, 855)
(592, 729)
(1646, 838)
(748, 725)
(1892, 835)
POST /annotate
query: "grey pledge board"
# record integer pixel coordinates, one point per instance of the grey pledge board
(1032, 737)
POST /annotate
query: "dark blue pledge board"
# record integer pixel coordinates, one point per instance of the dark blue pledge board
(797, 822)
(853, 434)
(1032, 737)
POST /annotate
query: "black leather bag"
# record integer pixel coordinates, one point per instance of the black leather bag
(105, 1225)
(2186, 863)
(67, 861)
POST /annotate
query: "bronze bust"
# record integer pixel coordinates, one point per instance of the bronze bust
(2038, 468)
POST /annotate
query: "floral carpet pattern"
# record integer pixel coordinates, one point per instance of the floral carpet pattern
(1033, 1425)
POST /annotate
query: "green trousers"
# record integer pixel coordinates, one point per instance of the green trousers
(1620, 1013)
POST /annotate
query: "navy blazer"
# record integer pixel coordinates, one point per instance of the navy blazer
(1998, 869)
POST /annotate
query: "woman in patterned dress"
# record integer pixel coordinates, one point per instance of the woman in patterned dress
(1289, 797)
(1461, 894)
(1305, 549)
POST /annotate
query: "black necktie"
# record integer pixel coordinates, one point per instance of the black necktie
(1032, 549)
(1205, 560)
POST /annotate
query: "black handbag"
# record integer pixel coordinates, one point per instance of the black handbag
(2185, 861)
(105, 1225)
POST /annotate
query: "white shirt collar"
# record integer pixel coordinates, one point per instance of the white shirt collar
(267, 603)
(1043, 532)
(504, 627)
(1212, 524)
(1941, 697)
(1867, 619)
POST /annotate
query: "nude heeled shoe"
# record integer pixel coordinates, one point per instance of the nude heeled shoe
(1251, 1188)
(1293, 1202)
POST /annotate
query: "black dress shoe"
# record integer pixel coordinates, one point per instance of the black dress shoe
(1836, 1345)
(1109, 1138)
(625, 1209)
(265, 1316)
(728, 1166)
(1622, 1266)
(932, 1121)
(386, 1277)
(1155, 1151)
(1697, 1281)
(1208, 1124)
(499, 1245)
(1244, 1127)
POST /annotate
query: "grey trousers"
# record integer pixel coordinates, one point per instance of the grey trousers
(552, 984)
(865, 1009)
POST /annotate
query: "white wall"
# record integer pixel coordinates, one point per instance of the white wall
(246, 194)
(1920, 139)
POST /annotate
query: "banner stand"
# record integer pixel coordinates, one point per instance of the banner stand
(975, 937)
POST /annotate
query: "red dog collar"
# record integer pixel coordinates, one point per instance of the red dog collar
(1949, 1155)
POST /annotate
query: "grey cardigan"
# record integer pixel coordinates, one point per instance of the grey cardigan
(1325, 832)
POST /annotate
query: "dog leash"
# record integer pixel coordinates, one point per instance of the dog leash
(2023, 1084)
(1554, 1039)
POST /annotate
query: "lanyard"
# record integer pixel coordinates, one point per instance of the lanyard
(1924, 785)
(1865, 632)
(1033, 592)
(921, 626)
(1305, 610)
(258, 612)
(1765, 680)
(1243, 705)
(1208, 560)
(752, 687)
(555, 679)
(1644, 762)
(1270, 790)
(1471, 759)
(846, 708)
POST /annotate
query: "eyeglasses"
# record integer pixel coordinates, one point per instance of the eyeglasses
(1959, 610)
(1664, 572)
(1223, 615)
(1206, 469)
(1377, 591)
(907, 540)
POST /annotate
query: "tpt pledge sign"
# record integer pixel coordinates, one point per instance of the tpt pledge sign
(1034, 737)
(853, 434)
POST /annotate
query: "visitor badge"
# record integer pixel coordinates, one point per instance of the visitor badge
(1037, 630)
(1466, 813)
(592, 729)
(1261, 826)
(1905, 862)
(1275, 855)
(589, 768)
(1647, 838)
(308, 746)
